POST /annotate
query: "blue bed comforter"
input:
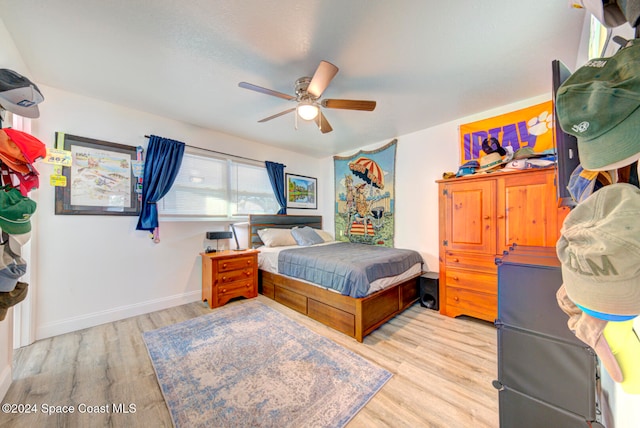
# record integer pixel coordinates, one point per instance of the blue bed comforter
(346, 267)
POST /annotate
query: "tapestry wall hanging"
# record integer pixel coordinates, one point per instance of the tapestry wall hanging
(364, 192)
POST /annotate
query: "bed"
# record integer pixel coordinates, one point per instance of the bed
(353, 316)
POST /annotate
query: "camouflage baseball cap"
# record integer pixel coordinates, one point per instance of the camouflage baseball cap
(599, 249)
(600, 104)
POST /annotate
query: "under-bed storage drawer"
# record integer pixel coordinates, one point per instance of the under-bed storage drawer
(291, 299)
(328, 315)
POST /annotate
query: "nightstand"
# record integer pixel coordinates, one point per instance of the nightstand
(229, 274)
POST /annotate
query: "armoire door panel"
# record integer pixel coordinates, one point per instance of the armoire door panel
(471, 215)
(527, 210)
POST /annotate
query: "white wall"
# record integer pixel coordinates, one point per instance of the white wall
(94, 269)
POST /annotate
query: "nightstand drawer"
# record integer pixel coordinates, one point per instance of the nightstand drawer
(236, 263)
(236, 288)
(235, 275)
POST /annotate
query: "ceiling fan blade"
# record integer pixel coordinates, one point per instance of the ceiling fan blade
(266, 91)
(277, 115)
(350, 104)
(322, 123)
(321, 78)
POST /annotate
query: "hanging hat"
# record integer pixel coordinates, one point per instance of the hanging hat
(608, 14)
(12, 267)
(631, 11)
(15, 211)
(12, 298)
(600, 104)
(31, 148)
(11, 155)
(583, 183)
(19, 95)
(599, 249)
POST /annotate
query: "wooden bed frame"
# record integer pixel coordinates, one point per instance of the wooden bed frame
(355, 317)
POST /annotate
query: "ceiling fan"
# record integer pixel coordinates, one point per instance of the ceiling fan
(308, 92)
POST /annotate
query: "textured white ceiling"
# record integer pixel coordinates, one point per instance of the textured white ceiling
(424, 62)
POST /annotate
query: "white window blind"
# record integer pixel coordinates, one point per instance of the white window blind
(208, 186)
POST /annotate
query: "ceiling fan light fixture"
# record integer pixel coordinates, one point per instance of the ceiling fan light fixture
(307, 111)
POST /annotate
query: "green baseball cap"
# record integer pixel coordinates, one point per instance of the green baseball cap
(600, 104)
(15, 211)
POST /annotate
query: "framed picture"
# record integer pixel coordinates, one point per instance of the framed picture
(302, 192)
(100, 180)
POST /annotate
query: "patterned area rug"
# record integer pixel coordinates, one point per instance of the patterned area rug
(247, 365)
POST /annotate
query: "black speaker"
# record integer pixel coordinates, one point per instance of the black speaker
(429, 291)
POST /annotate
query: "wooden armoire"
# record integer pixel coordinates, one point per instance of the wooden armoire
(481, 216)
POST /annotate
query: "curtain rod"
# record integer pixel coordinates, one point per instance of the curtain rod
(220, 153)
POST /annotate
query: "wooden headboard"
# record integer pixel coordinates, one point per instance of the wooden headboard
(278, 221)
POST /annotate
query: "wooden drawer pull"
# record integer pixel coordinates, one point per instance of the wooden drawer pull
(248, 262)
(487, 217)
(455, 260)
(224, 265)
(455, 278)
(224, 290)
(456, 298)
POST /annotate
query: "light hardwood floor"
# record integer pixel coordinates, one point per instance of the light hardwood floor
(442, 372)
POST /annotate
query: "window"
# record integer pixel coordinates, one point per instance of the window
(208, 186)
(598, 38)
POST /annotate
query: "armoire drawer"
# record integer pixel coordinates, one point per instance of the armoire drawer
(462, 301)
(473, 281)
(478, 262)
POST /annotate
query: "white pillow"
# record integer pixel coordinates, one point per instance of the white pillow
(276, 237)
(326, 236)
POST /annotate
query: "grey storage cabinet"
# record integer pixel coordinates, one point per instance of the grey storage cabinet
(546, 376)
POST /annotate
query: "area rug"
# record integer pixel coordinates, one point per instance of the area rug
(247, 365)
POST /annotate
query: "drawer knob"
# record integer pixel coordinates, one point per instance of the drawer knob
(456, 298)
(248, 262)
(455, 260)
(224, 265)
(248, 285)
(487, 217)
(224, 290)
(248, 273)
(224, 278)
(455, 278)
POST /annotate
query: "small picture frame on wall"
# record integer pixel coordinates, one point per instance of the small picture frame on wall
(302, 192)
(100, 180)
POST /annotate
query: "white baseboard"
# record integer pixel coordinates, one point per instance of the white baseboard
(6, 376)
(90, 320)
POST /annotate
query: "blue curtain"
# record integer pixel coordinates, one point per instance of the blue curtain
(276, 176)
(161, 167)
